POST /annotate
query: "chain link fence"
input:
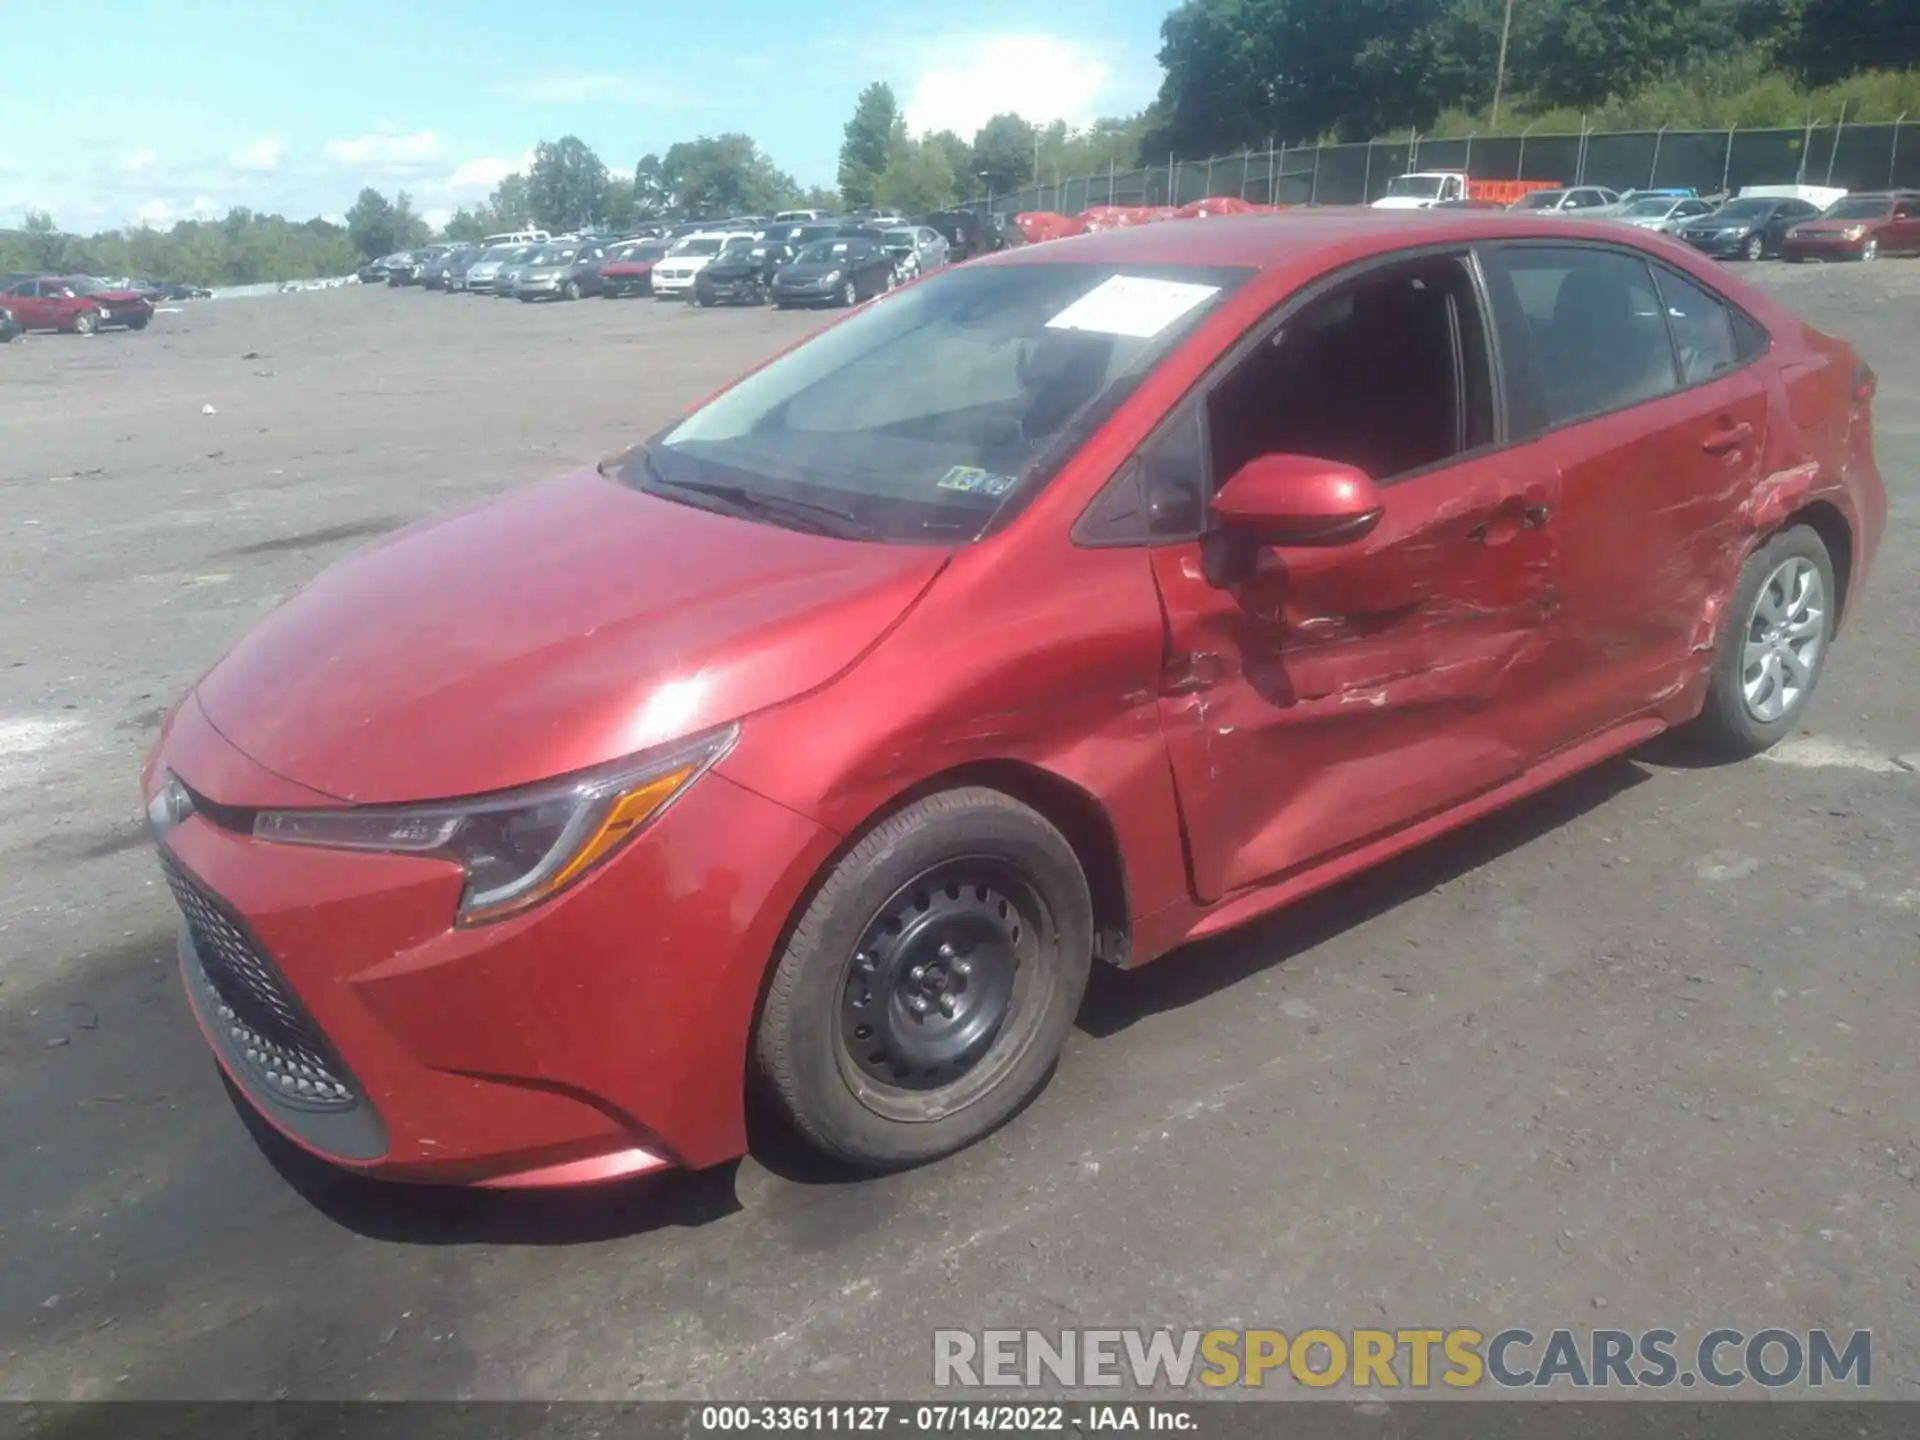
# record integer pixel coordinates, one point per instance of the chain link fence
(1856, 157)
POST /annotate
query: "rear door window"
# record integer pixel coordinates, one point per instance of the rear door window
(1702, 326)
(1583, 330)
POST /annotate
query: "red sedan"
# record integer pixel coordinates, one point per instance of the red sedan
(629, 268)
(75, 303)
(1062, 608)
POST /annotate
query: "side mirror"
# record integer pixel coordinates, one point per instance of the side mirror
(1298, 500)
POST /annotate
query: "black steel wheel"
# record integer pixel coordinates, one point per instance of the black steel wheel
(924, 994)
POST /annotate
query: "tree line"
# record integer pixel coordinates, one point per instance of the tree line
(1239, 74)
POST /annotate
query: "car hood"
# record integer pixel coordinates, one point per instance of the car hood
(559, 626)
(804, 274)
(1836, 227)
(543, 272)
(724, 269)
(627, 267)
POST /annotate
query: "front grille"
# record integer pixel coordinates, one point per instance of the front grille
(241, 989)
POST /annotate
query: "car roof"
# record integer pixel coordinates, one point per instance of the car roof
(1335, 234)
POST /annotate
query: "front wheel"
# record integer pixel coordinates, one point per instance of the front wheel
(1755, 248)
(570, 290)
(139, 322)
(84, 323)
(924, 995)
(849, 294)
(1774, 646)
(1871, 250)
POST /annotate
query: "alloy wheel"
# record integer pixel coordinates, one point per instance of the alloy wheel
(1756, 247)
(1871, 250)
(1785, 634)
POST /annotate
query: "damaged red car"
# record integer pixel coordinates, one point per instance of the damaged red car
(1058, 610)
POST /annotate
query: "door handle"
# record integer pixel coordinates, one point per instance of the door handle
(1728, 437)
(1495, 529)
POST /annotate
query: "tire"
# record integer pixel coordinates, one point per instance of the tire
(139, 322)
(570, 290)
(967, 897)
(1754, 644)
(1871, 249)
(849, 294)
(1755, 248)
(84, 323)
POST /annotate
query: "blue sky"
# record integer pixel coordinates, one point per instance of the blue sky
(179, 107)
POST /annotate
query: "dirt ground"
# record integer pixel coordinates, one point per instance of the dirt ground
(1639, 1053)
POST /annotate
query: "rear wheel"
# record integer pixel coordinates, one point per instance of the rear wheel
(924, 995)
(1774, 645)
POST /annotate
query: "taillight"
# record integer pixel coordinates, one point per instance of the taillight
(1865, 383)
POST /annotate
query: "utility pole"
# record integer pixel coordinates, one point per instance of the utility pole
(1500, 69)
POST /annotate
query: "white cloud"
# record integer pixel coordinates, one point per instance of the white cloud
(260, 156)
(599, 88)
(136, 162)
(385, 147)
(1039, 77)
(437, 216)
(158, 213)
(481, 175)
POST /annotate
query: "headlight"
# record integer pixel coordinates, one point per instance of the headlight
(1737, 230)
(521, 846)
(832, 277)
(1856, 232)
(169, 807)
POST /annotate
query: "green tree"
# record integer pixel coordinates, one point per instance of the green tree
(1003, 153)
(714, 176)
(1836, 38)
(918, 178)
(469, 225)
(868, 144)
(511, 204)
(566, 184)
(959, 157)
(374, 225)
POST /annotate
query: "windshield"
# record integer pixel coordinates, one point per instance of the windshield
(1415, 187)
(1863, 207)
(85, 285)
(915, 419)
(696, 247)
(1659, 205)
(1541, 200)
(900, 240)
(809, 234)
(1745, 209)
(555, 255)
(823, 252)
(645, 250)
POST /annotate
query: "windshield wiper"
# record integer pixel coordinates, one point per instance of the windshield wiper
(822, 519)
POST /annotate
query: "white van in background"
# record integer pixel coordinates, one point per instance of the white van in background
(518, 237)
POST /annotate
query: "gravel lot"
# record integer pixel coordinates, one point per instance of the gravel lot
(1640, 1053)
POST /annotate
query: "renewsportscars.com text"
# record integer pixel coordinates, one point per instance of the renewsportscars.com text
(1414, 1359)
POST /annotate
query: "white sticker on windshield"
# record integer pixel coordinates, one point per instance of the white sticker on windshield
(1134, 305)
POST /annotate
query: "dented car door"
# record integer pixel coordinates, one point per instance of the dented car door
(1333, 694)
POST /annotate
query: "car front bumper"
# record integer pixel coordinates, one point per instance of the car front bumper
(728, 291)
(814, 292)
(565, 1045)
(1822, 247)
(1721, 246)
(672, 284)
(627, 282)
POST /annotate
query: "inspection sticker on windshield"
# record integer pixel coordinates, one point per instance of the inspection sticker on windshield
(1134, 305)
(975, 481)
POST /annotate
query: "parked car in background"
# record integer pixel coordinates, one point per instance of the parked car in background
(563, 270)
(1665, 213)
(914, 249)
(834, 272)
(484, 268)
(513, 238)
(817, 750)
(415, 264)
(791, 217)
(1428, 189)
(438, 273)
(506, 282)
(374, 272)
(1859, 227)
(741, 275)
(75, 303)
(1747, 228)
(966, 234)
(673, 273)
(1588, 202)
(628, 268)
